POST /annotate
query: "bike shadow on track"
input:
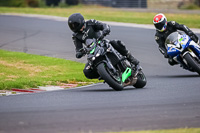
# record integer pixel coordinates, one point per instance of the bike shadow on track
(175, 76)
(109, 89)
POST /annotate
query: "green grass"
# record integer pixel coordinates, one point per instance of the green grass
(108, 14)
(20, 70)
(185, 130)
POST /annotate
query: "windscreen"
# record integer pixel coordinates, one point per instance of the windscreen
(172, 38)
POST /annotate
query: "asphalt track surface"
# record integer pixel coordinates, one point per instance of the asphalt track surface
(171, 98)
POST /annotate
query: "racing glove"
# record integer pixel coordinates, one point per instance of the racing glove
(79, 54)
(193, 37)
(105, 32)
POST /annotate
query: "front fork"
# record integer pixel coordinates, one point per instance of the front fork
(182, 61)
(110, 66)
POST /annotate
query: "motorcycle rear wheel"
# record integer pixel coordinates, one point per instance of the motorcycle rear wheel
(192, 63)
(141, 80)
(109, 79)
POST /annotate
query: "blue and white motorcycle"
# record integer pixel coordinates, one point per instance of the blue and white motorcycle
(184, 51)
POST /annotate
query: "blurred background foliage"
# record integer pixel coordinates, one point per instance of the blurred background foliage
(152, 4)
(38, 3)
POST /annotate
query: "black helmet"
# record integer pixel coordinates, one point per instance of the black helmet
(160, 22)
(76, 22)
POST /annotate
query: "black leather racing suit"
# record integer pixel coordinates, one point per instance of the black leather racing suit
(94, 29)
(172, 26)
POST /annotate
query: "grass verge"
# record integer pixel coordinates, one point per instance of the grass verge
(108, 14)
(184, 130)
(21, 70)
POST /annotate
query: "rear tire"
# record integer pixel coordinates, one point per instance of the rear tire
(141, 80)
(192, 63)
(103, 72)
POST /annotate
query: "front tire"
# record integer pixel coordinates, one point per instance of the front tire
(192, 63)
(110, 80)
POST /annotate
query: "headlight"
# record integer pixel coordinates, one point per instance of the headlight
(98, 53)
(93, 58)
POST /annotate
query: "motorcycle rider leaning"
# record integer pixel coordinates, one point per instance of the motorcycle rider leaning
(164, 28)
(93, 29)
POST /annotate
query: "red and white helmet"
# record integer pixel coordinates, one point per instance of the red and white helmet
(160, 22)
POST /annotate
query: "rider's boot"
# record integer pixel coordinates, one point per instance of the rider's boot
(121, 48)
(134, 61)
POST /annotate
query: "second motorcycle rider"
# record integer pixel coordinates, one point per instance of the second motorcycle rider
(164, 28)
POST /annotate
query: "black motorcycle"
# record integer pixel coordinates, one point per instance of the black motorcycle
(112, 67)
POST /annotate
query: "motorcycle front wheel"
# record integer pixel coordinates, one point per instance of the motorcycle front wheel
(192, 63)
(112, 80)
